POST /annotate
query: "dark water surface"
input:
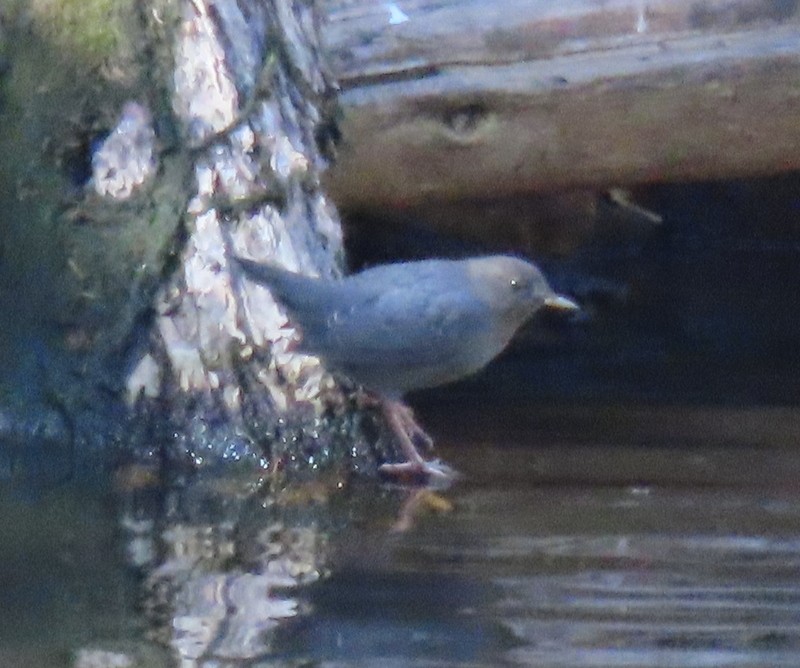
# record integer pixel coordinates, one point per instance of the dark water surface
(599, 536)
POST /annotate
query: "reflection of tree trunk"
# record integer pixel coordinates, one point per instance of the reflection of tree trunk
(218, 585)
(223, 569)
(130, 300)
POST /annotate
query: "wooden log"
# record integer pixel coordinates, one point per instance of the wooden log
(453, 99)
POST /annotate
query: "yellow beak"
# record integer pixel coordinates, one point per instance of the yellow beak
(560, 303)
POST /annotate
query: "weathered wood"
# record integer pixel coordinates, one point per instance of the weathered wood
(461, 98)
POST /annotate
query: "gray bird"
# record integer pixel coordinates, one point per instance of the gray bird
(411, 325)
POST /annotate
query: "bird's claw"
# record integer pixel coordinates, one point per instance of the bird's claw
(434, 472)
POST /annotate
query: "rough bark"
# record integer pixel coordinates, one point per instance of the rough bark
(249, 93)
(85, 240)
(195, 135)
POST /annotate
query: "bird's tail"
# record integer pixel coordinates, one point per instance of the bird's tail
(303, 296)
(265, 274)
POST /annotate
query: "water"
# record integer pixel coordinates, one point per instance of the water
(63, 579)
(578, 536)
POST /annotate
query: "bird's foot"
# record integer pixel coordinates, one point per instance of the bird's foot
(420, 472)
(415, 470)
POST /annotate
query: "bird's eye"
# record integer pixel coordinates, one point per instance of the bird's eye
(515, 284)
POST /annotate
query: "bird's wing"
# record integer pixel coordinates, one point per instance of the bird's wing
(393, 324)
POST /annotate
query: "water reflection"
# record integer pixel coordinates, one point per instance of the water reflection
(553, 551)
(219, 560)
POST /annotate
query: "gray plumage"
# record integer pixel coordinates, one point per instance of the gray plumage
(411, 325)
(405, 326)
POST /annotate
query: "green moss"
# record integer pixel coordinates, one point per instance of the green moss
(68, 68)
(90, 30)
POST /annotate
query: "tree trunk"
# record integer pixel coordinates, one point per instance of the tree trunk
(249, 94)
(118, 289)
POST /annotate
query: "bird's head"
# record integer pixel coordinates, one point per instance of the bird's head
(513, 288)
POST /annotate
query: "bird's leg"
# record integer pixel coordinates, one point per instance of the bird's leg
(400, 417)
(410, 426)
(401, 421)
(405, 428)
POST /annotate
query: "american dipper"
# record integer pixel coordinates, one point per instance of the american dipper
(406, 326)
